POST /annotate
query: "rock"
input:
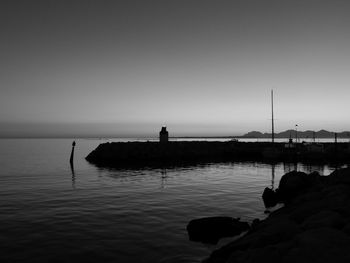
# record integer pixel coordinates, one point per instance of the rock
(295, 183)
(211, 229)
(269, 197)
(255, 223)
(291, 184)
(325, 218)
(311, 227)
(300, 212)
(273, 231)
(269, 254)
(341, 176)
(320, 245)
(346, 229)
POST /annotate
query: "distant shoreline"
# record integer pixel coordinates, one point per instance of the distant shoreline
(174, 137)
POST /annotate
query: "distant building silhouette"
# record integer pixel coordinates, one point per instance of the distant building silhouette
(163, 135)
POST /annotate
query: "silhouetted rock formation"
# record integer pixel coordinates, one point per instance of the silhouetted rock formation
(313, 226)
(211, 229)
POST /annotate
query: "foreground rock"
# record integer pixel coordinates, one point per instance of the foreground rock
(313, 226)
(211, 229)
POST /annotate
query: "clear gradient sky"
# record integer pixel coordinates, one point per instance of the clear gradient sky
(124, 68)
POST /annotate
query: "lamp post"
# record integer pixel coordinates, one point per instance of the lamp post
(296, 133)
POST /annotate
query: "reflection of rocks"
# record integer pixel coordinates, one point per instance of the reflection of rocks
(313, 226)
(211, 229)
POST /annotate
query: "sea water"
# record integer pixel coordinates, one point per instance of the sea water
(51, 212)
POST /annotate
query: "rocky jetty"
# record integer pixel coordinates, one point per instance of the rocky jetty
(117, 154)
(312, 226)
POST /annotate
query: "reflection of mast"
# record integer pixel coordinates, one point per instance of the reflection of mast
(272, 176)
(272, 124)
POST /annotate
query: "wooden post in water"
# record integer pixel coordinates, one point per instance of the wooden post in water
(72, 154)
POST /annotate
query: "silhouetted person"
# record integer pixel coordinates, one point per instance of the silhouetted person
(163, 135)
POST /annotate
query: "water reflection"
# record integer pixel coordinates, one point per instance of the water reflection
(313, 168)
(309, 168)
(273, 176)
(290, 167)
(73, 174)
(163, 177)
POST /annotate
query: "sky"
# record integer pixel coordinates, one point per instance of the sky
(202, 68)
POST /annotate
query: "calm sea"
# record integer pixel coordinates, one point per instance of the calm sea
(50, 213)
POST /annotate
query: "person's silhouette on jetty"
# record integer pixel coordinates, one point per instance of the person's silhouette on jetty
(163, 135)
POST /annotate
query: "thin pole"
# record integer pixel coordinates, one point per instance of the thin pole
(273, 125)
(71, 159)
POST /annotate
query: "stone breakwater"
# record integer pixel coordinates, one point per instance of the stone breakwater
(117, 154)
(313, 225)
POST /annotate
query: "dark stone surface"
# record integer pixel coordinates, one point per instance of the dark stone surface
(270, 197)
(292, 184)
(211, 229)
(313, 226)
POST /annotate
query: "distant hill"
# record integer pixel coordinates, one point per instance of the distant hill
(301, 134)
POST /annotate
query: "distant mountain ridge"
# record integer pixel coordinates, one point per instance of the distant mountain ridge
(301, 134)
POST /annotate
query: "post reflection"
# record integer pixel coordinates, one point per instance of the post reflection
(163, 177)
(273, 166)
(73, 174)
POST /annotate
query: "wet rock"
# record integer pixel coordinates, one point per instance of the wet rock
(211, 229)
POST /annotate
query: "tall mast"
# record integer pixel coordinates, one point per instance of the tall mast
(273, 125)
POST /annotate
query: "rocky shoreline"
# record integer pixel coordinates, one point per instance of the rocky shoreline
(312, 226)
